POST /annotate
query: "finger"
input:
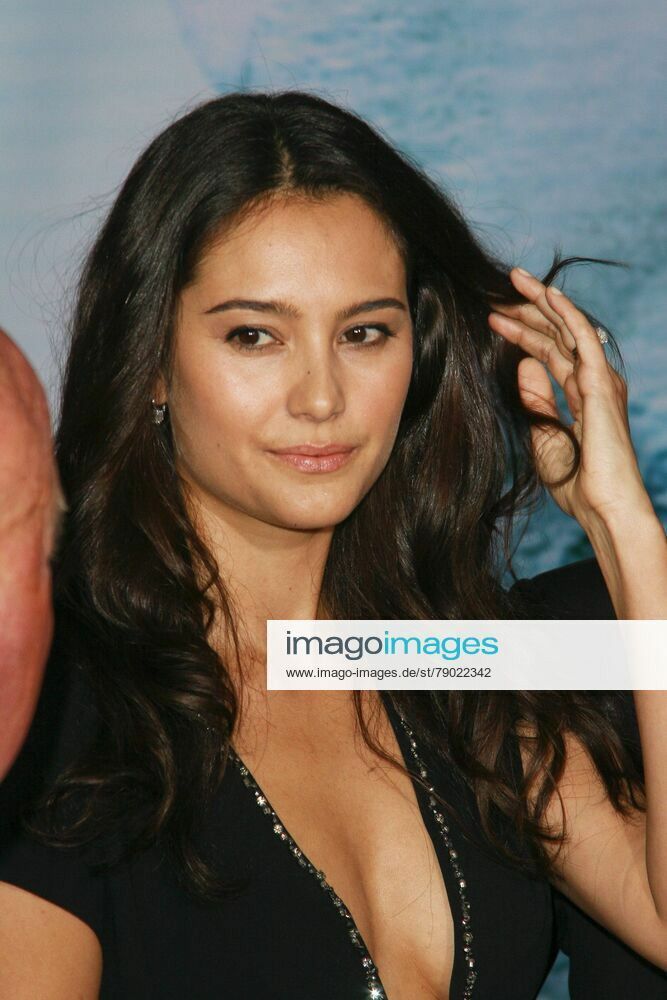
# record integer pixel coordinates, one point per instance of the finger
(529, 314)
(573, 396)
(589, 348)
(552, 448)
(535, 388)
(533, 290)
(549, 352)
(541, 346)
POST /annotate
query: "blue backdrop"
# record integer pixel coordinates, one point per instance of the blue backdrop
(547, 122)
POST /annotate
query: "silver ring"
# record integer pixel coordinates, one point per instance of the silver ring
(603, 337)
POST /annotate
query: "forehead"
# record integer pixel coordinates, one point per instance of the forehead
(336, 239)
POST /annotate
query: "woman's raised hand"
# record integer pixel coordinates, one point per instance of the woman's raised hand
(607, 486)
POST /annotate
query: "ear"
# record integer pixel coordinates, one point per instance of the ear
(159, 393)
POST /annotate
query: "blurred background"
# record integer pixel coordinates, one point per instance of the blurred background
(546, 122)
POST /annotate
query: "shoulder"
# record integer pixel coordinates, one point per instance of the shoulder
(576, 590)
(49, 952)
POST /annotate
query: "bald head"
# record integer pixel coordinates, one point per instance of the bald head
(31, 506)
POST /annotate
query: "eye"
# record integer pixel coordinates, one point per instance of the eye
(241, 334)
(245, 332)
(384, 330)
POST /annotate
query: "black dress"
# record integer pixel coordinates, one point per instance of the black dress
(287, 935)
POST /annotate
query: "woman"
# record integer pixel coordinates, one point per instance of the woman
(274, 285)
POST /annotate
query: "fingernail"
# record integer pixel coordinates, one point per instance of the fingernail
(555, 290)
(521, 271)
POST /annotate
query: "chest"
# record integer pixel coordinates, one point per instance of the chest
(282, 936)
(357, 818)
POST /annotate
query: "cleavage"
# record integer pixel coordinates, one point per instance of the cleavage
(358, 819)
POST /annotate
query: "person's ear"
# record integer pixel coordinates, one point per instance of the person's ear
(159, 394)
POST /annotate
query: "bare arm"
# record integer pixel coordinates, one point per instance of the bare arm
(45, 952)
(602, 867)
(613, 867)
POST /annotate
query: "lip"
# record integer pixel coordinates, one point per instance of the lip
(323, 459)
(313, 449)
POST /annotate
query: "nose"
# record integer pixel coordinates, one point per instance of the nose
(316, 387)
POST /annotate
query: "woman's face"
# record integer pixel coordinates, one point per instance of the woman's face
(318, 354)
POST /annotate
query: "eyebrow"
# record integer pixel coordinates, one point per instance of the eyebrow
(286, 309)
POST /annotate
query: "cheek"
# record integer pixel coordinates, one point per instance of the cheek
(217, 416)
(205, 400)
(383, 398)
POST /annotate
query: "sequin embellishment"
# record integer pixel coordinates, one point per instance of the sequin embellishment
(461, 883)
(375, 988)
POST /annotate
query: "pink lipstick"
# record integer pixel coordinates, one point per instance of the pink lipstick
(314, 458)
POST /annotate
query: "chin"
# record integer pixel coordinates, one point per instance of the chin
(314, 517)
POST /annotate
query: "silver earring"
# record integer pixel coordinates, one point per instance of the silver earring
(159, 410)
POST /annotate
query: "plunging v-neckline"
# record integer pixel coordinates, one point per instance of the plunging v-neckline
(463, 964)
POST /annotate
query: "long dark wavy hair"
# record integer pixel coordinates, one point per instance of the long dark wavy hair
(136, 588)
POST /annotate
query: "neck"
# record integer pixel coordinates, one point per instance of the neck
(269, 572)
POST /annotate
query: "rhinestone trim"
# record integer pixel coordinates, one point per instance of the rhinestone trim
(462, 885)
(375, 988)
